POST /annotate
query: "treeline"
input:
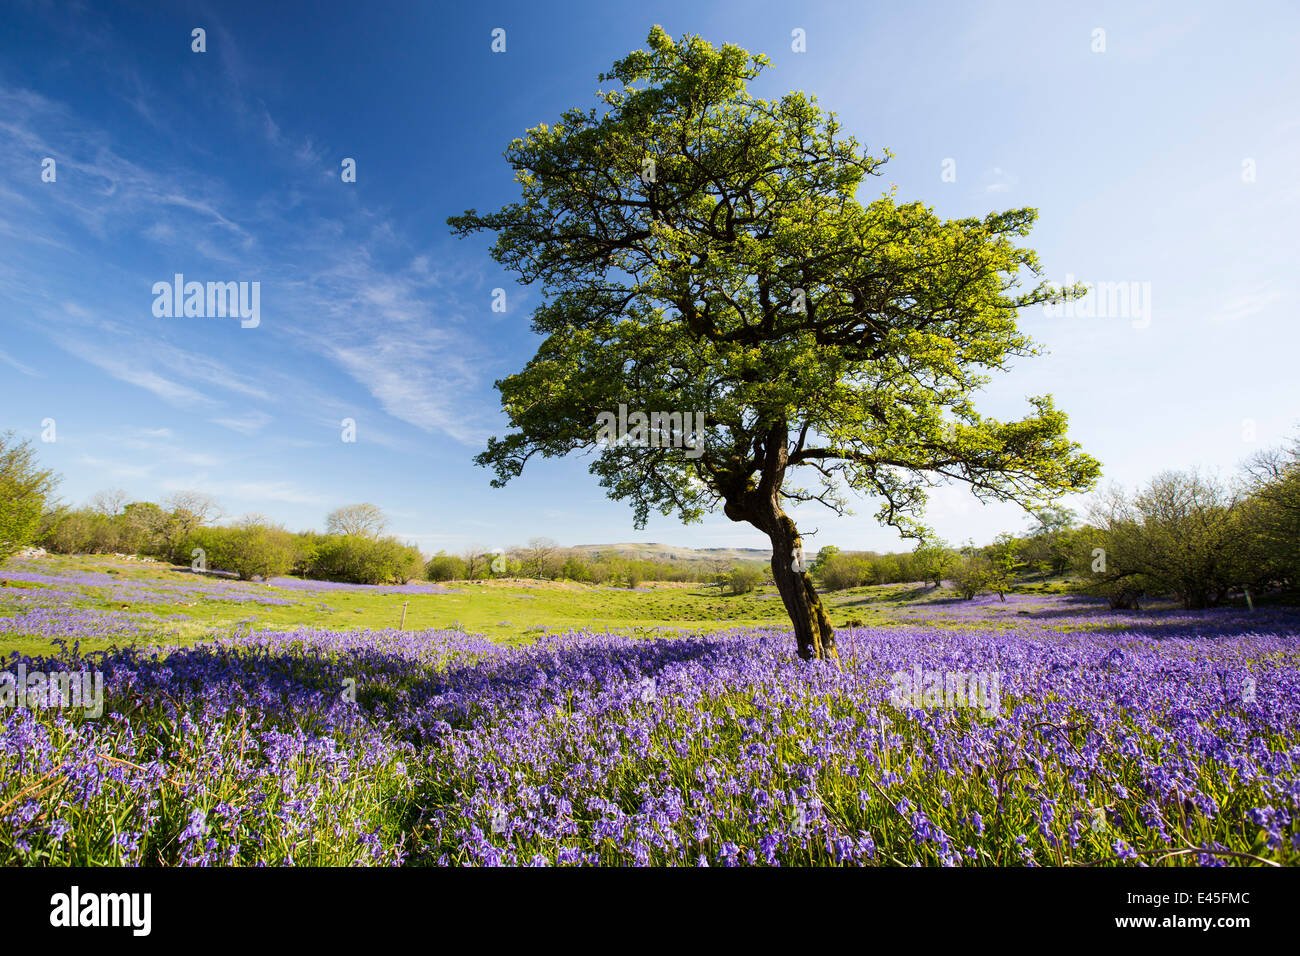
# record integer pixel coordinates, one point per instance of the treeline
(183, 529)
(1185, 536)
(187, 528)
(1201, 541)
(544, 560)
(253, 549)
(836, 570)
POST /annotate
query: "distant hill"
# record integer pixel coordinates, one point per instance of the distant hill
(668, 552)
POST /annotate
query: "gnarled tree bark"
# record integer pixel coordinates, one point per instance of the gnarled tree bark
(760, 505)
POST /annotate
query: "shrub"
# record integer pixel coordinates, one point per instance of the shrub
(576, 569)
(306, 545)
(843, 571)
(445, 567)
(261, 550)
(250, 549)
(744, 578)
(906, 565)
(819, 563)
(883, 570)
(972, 574)
(359, 559)
(67, 531)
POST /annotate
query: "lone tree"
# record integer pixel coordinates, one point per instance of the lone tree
(364, 519)
(700, 249)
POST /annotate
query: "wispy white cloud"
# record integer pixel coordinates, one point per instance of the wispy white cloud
(248, 424)
(124, 371)
(417, 381)
(371, 306)
(1249, 304)
(203, 368)
(25, 369)
(281, 491)
(116, 469)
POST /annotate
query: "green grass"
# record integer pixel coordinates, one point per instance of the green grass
(506, 610)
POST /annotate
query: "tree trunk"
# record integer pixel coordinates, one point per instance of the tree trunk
(759, 505)
(812, 627)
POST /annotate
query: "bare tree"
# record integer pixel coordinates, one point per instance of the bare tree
(718, 569)
(198, 507)
(109, 503)
(536, 555)
(363, 519)
(183, 512)
(254, 519)
(476, 558)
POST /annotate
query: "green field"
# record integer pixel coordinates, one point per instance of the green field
(191, 606)
(507, 610)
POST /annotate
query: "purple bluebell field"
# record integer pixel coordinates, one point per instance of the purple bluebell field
(672, 434)
(1160, 737)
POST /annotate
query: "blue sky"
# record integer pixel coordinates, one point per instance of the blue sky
(1170, 160)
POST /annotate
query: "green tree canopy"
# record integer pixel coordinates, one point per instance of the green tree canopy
(704, 250)
(932, 559)
(24, 490)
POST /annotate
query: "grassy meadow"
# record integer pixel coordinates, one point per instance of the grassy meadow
(191, 606)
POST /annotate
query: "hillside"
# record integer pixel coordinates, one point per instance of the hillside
(655, 551)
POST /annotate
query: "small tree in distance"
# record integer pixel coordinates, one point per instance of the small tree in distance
(478, 561)
(25, 488)
(364, 519)
(109, 503)
(445, 567)
(183, 513)
(1181, 534)
(973, 573)
(823, 556)
(744, 578)
(1003, 561)
(933, 559)
(535, 557)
